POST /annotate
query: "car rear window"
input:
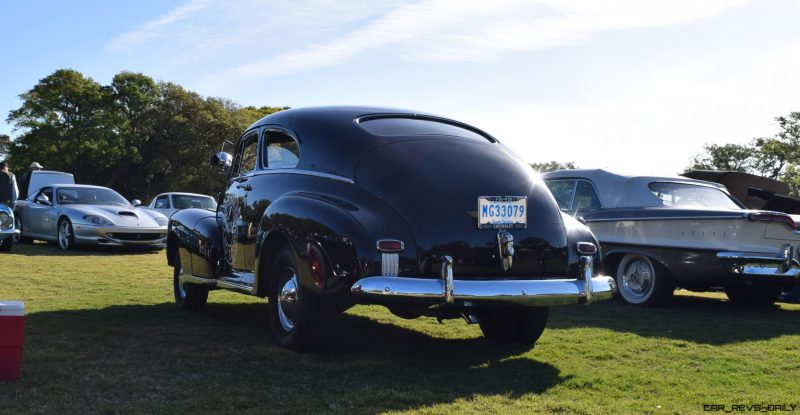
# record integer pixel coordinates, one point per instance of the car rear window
(404, 126)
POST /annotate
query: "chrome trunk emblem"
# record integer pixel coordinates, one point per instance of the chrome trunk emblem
(505, 243)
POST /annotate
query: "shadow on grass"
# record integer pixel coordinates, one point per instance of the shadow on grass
(691, 318)
(42, 248)
(161, 359)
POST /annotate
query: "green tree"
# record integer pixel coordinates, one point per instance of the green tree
(553, 166)
(139, 136)
(5, 146)
(776, 157)
(67, 123)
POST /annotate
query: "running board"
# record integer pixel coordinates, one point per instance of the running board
(227, 285)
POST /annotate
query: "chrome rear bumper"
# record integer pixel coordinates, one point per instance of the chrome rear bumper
(756, 264)
(447, 290)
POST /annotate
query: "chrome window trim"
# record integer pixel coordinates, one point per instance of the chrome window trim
(575, 193)
(308, 173)
(264, 143)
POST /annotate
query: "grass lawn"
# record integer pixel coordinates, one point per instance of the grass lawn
(103, 336)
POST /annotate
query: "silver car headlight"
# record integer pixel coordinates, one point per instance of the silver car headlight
(5, 221)
(161, 220)
(98, 220)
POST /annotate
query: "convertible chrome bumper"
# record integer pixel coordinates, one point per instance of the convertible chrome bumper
(755, 264)
(447, 290)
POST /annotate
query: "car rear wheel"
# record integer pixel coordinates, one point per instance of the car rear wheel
(518, 325)
(192, 297)
(293, 312)
(643, 282)
(66, 237)
(741, 292)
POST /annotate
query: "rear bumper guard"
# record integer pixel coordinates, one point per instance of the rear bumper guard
(447, 290)
(756, 264)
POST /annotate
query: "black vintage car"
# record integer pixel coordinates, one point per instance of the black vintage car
(330, 207)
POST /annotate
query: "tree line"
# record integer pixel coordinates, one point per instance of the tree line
(138, 136)
(776, 157)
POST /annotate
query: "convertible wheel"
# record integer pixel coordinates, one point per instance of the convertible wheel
(519, 325)
(643, 282)
(293, 312)
(741, 292)
(192, 297)
(5, 244)
(66, 238)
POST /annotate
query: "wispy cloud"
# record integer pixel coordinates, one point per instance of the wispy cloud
(454, 30)
(284, 37)
(150, 30)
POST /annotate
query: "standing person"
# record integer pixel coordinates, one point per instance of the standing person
(25, 180)
(8, 186)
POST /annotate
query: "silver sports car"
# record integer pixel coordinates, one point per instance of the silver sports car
(80, 214)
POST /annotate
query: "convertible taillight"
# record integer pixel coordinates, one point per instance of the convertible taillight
(390, 245)
(773, 217)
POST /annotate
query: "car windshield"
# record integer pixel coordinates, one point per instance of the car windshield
(679, 195)
(197, 202)
(89, 196)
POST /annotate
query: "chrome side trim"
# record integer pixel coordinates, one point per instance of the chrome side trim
(759, 264)
(228, 285)
(633, 219)
(196, 280)
(307, 173)
(234, 286)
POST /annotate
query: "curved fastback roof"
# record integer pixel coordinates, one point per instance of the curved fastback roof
(618, 190)
(331, 140)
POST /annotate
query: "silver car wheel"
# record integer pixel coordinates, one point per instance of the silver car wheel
(637, 278)
(64, 235)
(287, 303)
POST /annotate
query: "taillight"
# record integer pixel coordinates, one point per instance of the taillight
(390, 245)
(586, 248)
(773, 217)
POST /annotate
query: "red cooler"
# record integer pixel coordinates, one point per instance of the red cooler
(12, 334)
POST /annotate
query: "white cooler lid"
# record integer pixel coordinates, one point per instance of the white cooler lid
(12, 308)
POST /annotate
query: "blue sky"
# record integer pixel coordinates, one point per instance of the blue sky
(627, 85)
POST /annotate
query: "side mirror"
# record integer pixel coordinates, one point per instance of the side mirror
(136, 202)
(42, 200)
(221, 161)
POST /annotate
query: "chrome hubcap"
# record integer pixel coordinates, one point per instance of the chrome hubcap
(64, 235)
(637, 279)
(287, 303)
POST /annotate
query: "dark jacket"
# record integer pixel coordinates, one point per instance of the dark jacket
(23, 185)
(6, 191)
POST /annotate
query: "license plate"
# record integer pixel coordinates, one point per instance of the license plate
(502, 212)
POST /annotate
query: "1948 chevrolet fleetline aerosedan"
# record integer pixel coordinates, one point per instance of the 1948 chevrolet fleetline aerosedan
(330, 207)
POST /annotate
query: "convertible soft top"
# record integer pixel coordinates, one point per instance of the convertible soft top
(618, 190)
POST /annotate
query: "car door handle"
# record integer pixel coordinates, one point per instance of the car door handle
(245, 187)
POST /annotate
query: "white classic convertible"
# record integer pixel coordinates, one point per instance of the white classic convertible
(659, 233)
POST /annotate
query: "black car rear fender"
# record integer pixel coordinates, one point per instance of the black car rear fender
(195, 235)
(300, 220)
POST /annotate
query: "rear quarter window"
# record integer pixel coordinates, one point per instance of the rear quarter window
(403, 127)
